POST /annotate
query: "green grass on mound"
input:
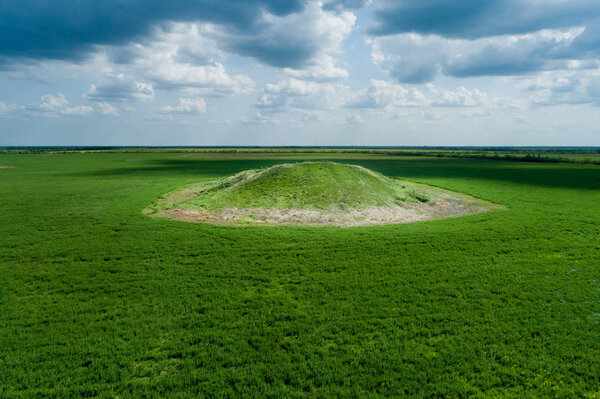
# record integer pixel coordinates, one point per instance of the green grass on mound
(307, 185)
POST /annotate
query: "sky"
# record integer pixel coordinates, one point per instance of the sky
(300, 72)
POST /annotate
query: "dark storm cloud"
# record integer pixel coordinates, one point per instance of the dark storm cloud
(468, 19)
(494, 67)
(344, 4)
(69, 30)
(274, 54)
(483, 38)
(501, 59)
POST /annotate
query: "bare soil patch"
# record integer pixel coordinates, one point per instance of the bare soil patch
(6, 167)
(437, 209)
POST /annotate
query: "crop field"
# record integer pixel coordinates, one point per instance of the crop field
(99, 300)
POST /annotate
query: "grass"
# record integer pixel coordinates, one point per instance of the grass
(305, 185)
(98, 300)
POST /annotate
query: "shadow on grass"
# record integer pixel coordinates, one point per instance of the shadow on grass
(542, 174)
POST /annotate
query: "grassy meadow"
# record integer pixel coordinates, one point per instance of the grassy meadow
(99, 300)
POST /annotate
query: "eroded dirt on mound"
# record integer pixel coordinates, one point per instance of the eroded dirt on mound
(447, 204)
(408, 213)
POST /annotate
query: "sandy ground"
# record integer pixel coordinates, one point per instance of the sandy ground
(436, 209)
(447, 204)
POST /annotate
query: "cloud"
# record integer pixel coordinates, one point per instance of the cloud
(80, 110)
(431, 115)
(293, 88)
(182, 56)
(381, 94)
(461, 97)
(343, 5)
(67, 30)
(412, 58)
(310, 101)
(293, 41)
(409, 58)
(260, 119)
(212, 78)
(513, 55)
(9, 111)
(55, 105)
(386, 95)
(354, 120)
(289, 94)
(185, 42)
(466, 19)
(340, 5)
(186, 106)
(286, 34)
(50, 105)
(558, 88)
(323, 70)
(107, 109)
(415, 40)
(121, 88)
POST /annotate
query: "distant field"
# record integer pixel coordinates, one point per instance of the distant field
(99, 300)
(527, 154)
(531, 156)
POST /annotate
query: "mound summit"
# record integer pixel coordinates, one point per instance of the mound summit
(312, 193)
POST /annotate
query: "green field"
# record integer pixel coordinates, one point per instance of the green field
(99, 300)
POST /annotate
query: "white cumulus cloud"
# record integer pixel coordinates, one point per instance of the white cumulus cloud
(121, 88)
(186, 106)
(107, 109)
(80, 110)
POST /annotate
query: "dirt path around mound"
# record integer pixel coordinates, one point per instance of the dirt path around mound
(447, 205)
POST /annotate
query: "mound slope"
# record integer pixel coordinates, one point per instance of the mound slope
(312, 193)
